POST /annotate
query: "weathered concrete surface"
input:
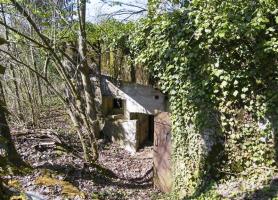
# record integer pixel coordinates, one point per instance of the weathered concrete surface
(122, 132)
(143, 99)
(162, 152)
(133, 130)
(138, 98)
(131, 134)
(142, 129)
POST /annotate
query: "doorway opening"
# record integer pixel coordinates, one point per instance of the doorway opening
(151, 130)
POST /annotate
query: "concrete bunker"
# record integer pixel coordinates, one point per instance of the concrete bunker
(136, 114)
(129, 110)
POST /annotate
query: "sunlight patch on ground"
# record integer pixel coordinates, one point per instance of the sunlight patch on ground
(68, 189)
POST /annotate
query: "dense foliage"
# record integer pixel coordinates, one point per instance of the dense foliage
(218, 62)
(111, 36)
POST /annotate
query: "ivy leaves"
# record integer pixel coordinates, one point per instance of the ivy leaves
(218, 56)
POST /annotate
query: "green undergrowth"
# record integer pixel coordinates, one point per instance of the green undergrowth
(11, 189)
(68, 189)
(108, 195)
(7, 168)
(258, 184)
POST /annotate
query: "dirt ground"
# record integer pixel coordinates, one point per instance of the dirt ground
(64, 175)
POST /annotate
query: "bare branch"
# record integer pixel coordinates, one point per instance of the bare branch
(37, 73)
(22, 34)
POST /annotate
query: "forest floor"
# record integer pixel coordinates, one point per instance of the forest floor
(59, 174)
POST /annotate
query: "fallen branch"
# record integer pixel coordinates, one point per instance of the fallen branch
(37, 132)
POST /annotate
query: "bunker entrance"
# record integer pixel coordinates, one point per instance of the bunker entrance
(144, 129)
(151, 130)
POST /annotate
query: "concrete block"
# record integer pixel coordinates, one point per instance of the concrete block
(122, 132)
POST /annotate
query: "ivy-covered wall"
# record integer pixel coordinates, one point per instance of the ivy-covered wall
(218, 62)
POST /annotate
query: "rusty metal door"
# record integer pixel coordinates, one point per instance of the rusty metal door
(162, 152)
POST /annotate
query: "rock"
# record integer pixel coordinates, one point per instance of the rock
(35, 196)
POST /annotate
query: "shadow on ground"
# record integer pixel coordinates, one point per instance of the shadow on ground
(266, 193)
(100, 176)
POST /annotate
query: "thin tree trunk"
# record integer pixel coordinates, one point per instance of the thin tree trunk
(132, 70)
(77, 127)
(86, 110)
(45, 71)
(45, 68)
(29, 97)
(18, 105)
(37, 78)
(86, 82)
(18, 99)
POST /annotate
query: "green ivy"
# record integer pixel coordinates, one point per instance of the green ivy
(217, 61)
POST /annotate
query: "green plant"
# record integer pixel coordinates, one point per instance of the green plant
(217, 60)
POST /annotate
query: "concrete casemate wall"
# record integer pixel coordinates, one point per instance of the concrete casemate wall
(130, 134)
(122, 132)
(142, 127)
(138, 98)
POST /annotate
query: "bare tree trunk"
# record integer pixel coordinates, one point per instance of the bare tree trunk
(18, 105)
(29, 96)
(76, 124)
(45, 71)
(83, 101)
(132, 69)
(13, 156)
(37, 78)
(45, 68)
(18, 99)
(86, 82)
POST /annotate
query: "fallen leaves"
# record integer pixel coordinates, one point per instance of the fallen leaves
(68, 189)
